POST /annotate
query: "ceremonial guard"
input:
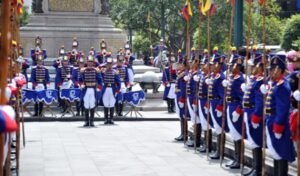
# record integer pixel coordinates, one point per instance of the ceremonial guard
(40, 80)
(63, 74)
(277, 116)
(74, 54)
(193, 53)
(75, 80)
(234, 109)
(192, 101)
(216, 96)
(160, 47)
(37, 51)
(111, 88)
(90, 81)
(169, 81)
(180, 100)
(253, 112)
(25, 63)
(203, 104)
(124, 78)
(129, 63)
(127, 46)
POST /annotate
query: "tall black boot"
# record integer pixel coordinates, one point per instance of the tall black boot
(36, 109)
(216, 154)
(120, 113)
(86, 124)
(204, 146)
(172, 102)
(191, 143)
(169, 105)
(283, 167)
(77, 108)
(236, 164)
(41, 106)
(276, 168)
(82, 109)
(105, 115)
(117, 108)
(92, 115)
(180, 137)
(111, 116)
(256, 163)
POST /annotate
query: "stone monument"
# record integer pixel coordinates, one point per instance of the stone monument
(58, 21)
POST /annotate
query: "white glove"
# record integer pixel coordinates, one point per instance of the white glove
(20, 59)
(244, 87)
(264, 89)
(186, 78)
(219, 113)
(208, 81)
(68, 76)
(196, 78)
(181, 105)
(278, 135)
(82, 86)
(255, 125)
(296, 95)
(168, 85)
(205, 110)
(225, 83)
(235, 116)
(151, 46)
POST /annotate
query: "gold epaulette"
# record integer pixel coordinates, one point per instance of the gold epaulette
(217, 76)
(82, 70)
(260, 78)
(237, 77)
(98, 70)
(280, 82)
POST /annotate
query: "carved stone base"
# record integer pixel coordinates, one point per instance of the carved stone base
(59, 28)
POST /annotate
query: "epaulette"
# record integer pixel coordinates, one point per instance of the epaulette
(117, 72)
(237, 76)
(82, 69)
(217, 76)
(33, 66)
(259, 78)
(291, 80)
(280, 82)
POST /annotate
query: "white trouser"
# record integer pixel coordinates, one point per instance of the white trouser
(89, 98)
(108, 98)
(130, 76)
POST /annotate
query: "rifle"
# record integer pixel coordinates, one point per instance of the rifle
(225, 90)
(246, 77)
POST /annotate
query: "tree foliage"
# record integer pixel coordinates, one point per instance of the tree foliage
(134, 14)
(24, 18)
(291, 36)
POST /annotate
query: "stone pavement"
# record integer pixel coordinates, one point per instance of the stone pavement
(124, 149)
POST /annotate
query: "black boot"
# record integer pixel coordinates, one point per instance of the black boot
(204, 146)
(120, 113)
(180, 137)
(111, 115)
(105, 115)
(216, 154)
(283, 167)
(36, 109)
(236, 164)
(41, 106)
(78, 111)
(172, 102)
(256, 163)
(82, 110)
(92, 115)
(86, 124)
(191, 143)
(169, 105)
(117, 108)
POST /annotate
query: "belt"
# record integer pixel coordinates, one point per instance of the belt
(108, 85)
(213, 97)
(248, 105)
(231, 100)
(90, 84)
(172, 81)
(40, 80)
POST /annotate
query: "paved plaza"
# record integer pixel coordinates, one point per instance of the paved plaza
(127, 148)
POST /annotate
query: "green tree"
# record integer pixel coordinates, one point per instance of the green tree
(24, 18)
(141, 45)
(291, 36)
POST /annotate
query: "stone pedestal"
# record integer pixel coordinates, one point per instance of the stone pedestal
(64, 19)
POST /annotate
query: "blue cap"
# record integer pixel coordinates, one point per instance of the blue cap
(278, 60)
(235, 59)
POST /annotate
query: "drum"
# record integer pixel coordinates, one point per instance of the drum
(47, 96)
(73, 94)
(28, 96)
(134, 98)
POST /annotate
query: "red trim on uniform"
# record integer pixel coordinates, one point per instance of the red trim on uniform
(255, 118)
(219, 108)
(239, 110)
(166, 83)
(99, 87)
(206, 104)
(34, 85)
(117, 91)
(293, 124)
(195, 102)
(278, 128)
(173, 71)
(182, 100)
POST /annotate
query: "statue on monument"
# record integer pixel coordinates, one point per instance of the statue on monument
(104, 7)
(36, 6)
